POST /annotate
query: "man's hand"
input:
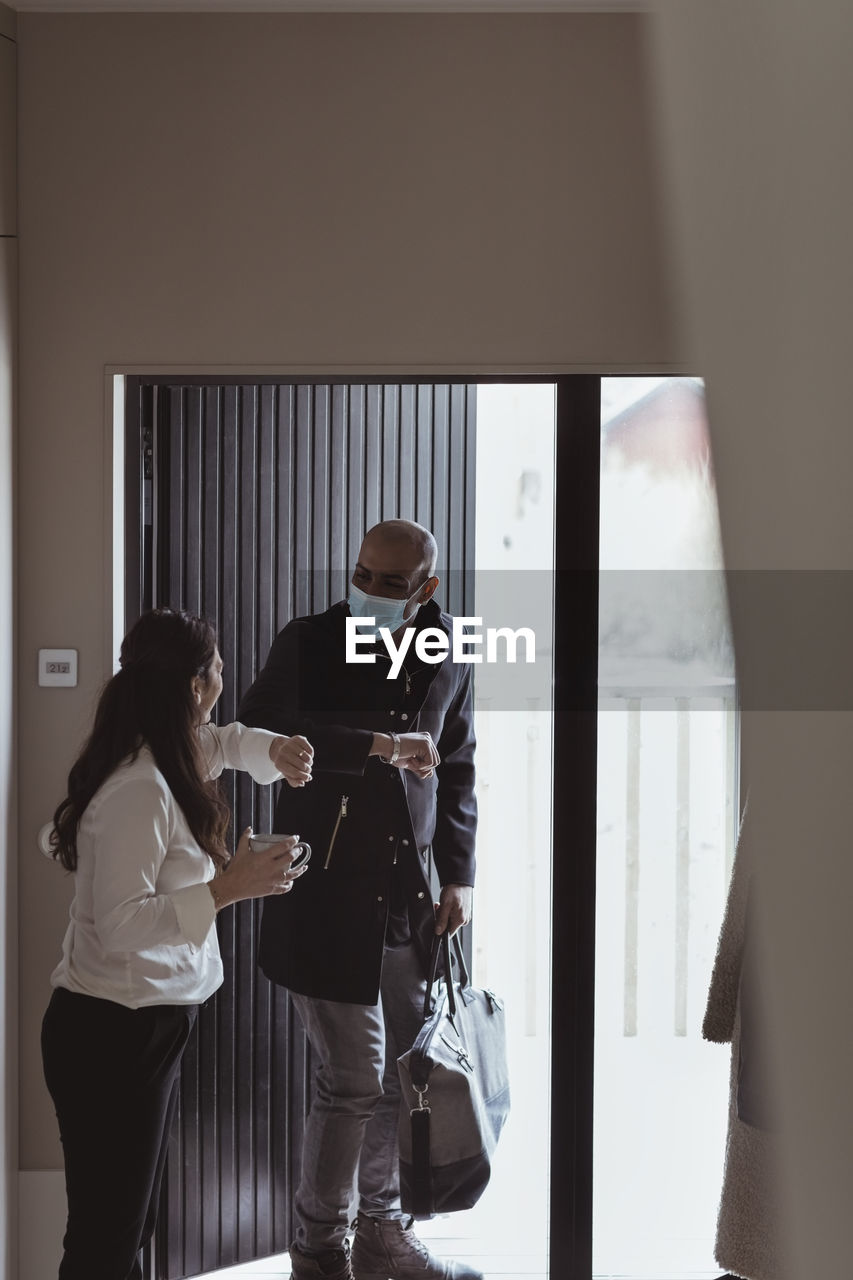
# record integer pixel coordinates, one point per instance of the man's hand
(294, 758)
(453, 908)
(418, 754)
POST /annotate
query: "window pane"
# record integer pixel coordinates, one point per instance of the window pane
(666, 804)
(506, 1233)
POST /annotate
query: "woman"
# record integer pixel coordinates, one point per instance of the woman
(143, 829)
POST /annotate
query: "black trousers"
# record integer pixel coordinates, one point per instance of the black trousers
(113, 1075)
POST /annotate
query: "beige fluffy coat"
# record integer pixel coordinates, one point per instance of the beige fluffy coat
(747, 1237)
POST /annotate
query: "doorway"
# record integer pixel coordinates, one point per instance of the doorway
(422, 450)
(209, 467)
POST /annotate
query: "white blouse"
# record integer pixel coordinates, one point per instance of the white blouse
(141, 929)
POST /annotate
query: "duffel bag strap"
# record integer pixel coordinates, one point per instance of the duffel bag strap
(422, 1195)
(464, 979)
(440, 946)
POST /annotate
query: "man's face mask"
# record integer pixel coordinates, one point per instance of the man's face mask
(387, 611)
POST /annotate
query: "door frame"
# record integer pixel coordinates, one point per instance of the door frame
(576, 566)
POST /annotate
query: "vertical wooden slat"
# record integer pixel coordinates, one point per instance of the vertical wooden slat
(407, 453)
(390, 452)
(373, 457)
(303, 463)
(267, 534)
(211, 503)
(224, 1104)
(194, 508)
(423, 454)
(336, 498)
(440, 449)
(245, 969)
(246, 584)
(356, 500)
(456, 480)
(168, 1241)
(190, 1237)
(321, 472)
(226, 1084)
(229, 623)
(136, 490)
(222, 430)
(173, 580)
(208, 1185)
(285, 468)
(264, 1173)
(265, 520)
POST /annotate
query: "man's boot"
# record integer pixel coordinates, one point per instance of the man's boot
(388, 1249)
(334, 1265)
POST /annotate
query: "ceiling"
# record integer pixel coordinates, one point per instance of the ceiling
(328, 6)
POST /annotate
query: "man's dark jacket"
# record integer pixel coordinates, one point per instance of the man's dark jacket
(371, 825)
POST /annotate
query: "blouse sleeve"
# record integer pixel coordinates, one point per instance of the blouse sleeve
(234, 746)
(130, 833)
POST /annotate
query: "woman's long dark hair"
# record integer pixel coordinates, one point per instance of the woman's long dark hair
(150, 701)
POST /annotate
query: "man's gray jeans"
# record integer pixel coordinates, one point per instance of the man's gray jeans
(350, 1158)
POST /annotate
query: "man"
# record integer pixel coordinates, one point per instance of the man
(389, 779)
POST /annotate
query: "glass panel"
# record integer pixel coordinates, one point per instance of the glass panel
(507, 1232)
(666, 805)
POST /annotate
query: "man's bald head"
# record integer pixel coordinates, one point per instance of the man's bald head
(415, 544)
(397, 562)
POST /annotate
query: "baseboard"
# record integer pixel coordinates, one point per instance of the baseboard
(41, 1223)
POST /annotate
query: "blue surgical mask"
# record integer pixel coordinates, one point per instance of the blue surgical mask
(387, 611)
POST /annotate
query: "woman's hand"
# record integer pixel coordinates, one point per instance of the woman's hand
(257, 874)
(294, 758)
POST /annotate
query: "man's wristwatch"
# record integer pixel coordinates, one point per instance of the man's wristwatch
(395, 749)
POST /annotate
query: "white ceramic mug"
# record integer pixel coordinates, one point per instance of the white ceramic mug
(260, 840)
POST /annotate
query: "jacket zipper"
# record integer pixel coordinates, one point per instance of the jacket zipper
(342, 813)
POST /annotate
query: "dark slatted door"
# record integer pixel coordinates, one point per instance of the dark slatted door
(247, 504)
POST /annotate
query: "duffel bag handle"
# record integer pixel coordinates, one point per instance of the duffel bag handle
(441, 946)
